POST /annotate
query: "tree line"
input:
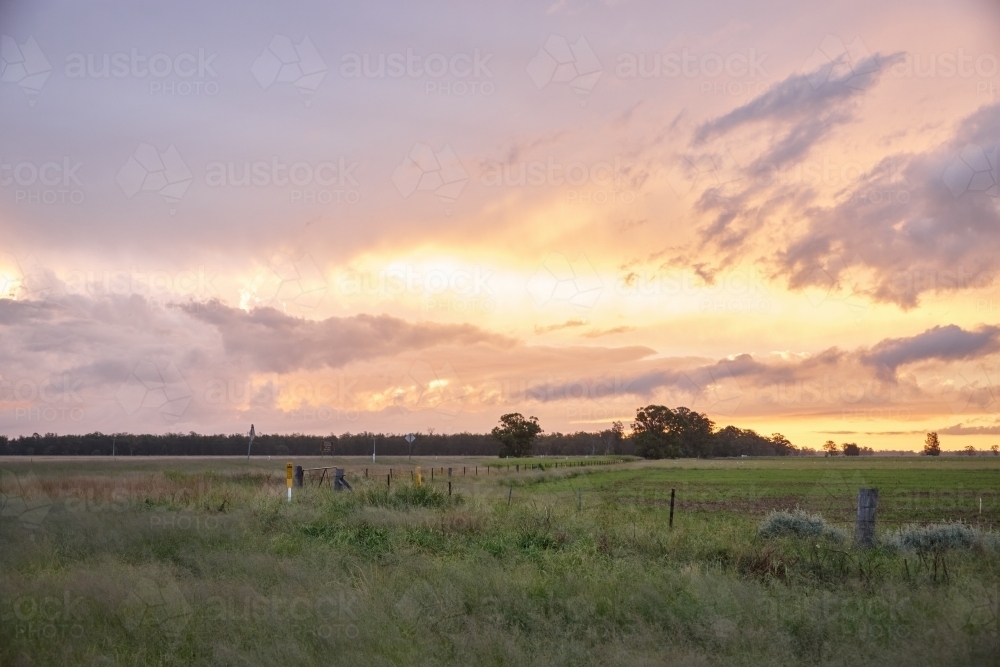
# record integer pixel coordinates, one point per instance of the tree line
(296, 444)
(658, 432)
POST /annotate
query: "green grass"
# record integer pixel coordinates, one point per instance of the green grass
(202, 561)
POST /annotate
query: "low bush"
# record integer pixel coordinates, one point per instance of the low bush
(939, 537)
(799, 524)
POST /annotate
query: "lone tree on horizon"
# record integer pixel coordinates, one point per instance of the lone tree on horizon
(516, 434)
(932, 446)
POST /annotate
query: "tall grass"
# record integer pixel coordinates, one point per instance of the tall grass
(208, 569)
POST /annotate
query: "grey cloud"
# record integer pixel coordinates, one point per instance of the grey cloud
(689, 380)
(275, 342)
(960, 429)
(812, 111)
(947, 343)
(568, 324)
(908, 225)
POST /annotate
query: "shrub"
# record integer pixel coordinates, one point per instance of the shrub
(798, 524)
(939, 537)
(406, 496)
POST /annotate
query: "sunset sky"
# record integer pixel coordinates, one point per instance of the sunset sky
(401, 217)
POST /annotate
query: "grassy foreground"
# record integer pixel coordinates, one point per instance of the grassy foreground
(202, 561)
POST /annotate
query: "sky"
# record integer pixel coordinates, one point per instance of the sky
(414, 217)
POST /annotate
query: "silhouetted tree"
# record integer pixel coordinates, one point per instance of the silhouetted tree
(516, 434)
(932, 446)
(653, 433)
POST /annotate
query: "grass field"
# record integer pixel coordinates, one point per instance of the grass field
(203, 561)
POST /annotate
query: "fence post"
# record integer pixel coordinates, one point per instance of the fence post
(864, 525)
(449, 489)
(339, 482)
(388, 482)
(298, 476)
(672, 493)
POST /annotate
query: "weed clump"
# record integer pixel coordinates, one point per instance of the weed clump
(799, 524)
(937, 537)
(407, 496)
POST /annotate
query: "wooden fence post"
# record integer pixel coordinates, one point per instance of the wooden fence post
(388, 482)
(864, 525)
(298, 476)
(672, 493)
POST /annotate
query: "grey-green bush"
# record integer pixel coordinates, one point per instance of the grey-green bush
(799, 524)
(939, 537)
